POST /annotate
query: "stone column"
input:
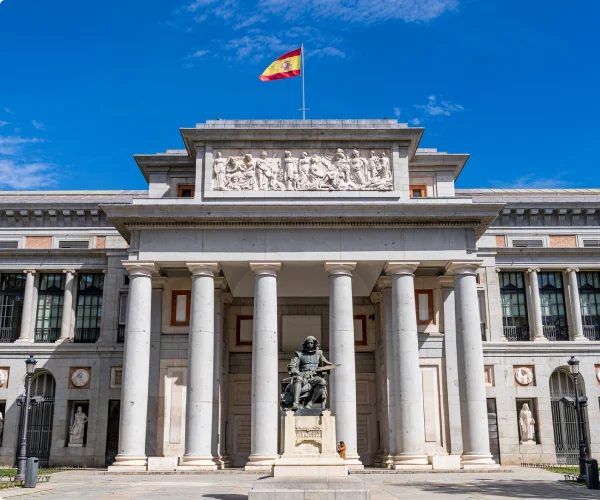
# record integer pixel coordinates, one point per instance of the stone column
(451, 358)
(28, 314)
(136, 368)
(410, 419)
(201, 350)
(536, 313)
(265, 371)
(65, 326)
(389, 386)
(473, 403)
(576, 321)
(341, 351)
(217, 434)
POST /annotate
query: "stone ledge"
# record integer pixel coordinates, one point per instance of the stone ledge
(309, 488)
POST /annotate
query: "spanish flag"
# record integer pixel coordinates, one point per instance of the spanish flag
(285, 66)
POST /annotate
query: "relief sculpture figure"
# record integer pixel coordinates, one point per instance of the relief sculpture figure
(78, 427)
(307, 384)
(526, 425)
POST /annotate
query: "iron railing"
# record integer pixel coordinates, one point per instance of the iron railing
(121, 333)
(87, 335)
(517, 333)
(483, 331)
(591, 332)
(553, 332)
(9, 333)
(47, 334)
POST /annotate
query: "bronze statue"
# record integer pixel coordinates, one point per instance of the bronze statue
(307, 384)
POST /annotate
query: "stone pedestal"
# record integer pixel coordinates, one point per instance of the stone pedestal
(332, 488)
(309, 447)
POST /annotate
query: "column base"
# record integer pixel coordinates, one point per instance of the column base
(260, 464)
(197, 464)
(125, 464)
(540, 339)
(62, 340)
(354, 463)
(411, 462)
(581, 338)
(478, 462)
(23, 342)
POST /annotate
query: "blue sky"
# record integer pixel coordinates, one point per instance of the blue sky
(85, 85)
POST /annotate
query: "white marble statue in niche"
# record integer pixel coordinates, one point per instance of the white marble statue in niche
(526, 425)
(78, 428)
(322, 170)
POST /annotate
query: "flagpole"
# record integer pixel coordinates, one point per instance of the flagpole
(303, 97)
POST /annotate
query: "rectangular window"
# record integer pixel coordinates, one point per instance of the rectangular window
(74, 244)
(481, 302)
(418, 191)
(12, 290)
(591, 243)
(122, 317)
(528, 243)
(589, 301)
(180, 307)
(186, 191)
(90, 287)
(50, 307)
(552, 297)
(514, 306)
(4, 244)
(360, 329)
(244, 326)
(424, 303)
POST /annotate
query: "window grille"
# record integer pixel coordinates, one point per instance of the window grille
(528, 243)
(50, 307)
(591, 243)
(73, 244)
(514, 306)
(4, 244)
(12, 290)
(89, 307)
(552, 297)
(589, 302)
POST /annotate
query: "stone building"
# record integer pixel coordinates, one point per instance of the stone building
(169, 314)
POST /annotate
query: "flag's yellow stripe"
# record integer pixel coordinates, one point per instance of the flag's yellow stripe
(283, 66)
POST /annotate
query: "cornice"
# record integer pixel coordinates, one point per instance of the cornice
(529, 348)
(546, 252)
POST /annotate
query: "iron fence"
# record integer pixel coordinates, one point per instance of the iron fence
(591, 332)
(517, 333)
(121, 333)
(87, 335)
(9, 334)
(553, 332)
(47, 334)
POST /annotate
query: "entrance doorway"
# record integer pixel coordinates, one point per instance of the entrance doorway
(41, 418)
(564, 417)
(112, 431)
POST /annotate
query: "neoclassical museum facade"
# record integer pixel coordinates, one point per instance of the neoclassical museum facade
(168, 316)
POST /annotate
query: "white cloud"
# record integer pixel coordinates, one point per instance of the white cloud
(415, 121)
(250, 21)
(435, 108)
(257, 46)
(2, 123)
(327, 51)
(536, 181)
(198, 54)
(10, 111)
(27, 175)
(38, 125)
(361, 11)
(397, 112)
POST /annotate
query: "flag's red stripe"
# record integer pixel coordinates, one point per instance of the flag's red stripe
(279, 76)
(290, 54)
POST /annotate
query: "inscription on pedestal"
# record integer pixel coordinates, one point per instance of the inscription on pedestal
(242, 433)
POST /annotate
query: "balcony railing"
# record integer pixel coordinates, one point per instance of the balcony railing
(483, 331)
(516, 333)
(47, 334)
(592, 332)
(9, 333)
(86, 335)
(121, 333)
(552, 332)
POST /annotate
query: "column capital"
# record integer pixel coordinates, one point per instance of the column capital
(220, 284)
(72, 271)
(140, 268)
(376, 297)
(340, 267)
(572, 269)
(265, 268)
(227, 298)
(463, 267)
(401, 267)
(533, 270)
(384, 282)
(446, 281)
(204, 268)
(29, 271)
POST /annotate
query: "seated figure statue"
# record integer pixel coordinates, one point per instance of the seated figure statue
(307, 383)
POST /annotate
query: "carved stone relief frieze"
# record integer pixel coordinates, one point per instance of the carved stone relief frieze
(298, 170)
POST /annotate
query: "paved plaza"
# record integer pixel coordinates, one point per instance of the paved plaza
(518, 483)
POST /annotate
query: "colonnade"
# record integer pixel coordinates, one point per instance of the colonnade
(405, 398)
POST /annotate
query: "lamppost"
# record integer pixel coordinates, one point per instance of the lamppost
(574, 367)
(30, 365)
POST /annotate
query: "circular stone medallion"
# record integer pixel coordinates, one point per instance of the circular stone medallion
(80, 377)
(524, 375)
(3, 377)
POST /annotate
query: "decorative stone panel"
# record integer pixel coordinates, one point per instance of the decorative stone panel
(524, 376)
(116, 377)
(489, 375)
(38, 242)
(500, 241)
(4, 375)
(598, 374)
(563, 241)
(100, 241)
(80, 377)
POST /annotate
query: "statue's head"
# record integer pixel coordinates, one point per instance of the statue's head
(79, 409)
(525, 407)
(219, 154)
(304, 154)
(311, 344)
